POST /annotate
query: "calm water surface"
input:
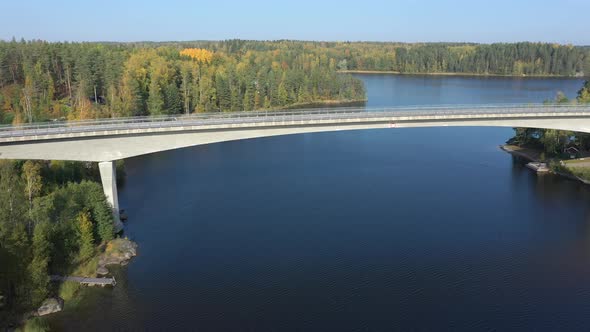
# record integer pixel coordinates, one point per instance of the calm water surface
(395, 229)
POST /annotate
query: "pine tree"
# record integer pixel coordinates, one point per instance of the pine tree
(155, 102)
(31, 174)
(223, 92)
(283, 95)
(172, 99)
(249, 98)
(99, 209)
(38, 268)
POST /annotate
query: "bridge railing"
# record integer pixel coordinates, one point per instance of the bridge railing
(167, 121)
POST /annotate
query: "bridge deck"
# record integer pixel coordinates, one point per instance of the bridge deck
(108, 127)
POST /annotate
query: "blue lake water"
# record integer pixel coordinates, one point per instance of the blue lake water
(423, 229)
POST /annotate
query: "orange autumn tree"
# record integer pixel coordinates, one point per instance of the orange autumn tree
(199, 54)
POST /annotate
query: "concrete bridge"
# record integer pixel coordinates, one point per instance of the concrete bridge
(105, 141)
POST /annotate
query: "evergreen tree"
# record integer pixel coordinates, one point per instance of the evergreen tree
(38, 268)
(173, 99)
(31, 174)
(249, 97)
(155, 102)
(223, 92)
(95, 201)
(85, 236)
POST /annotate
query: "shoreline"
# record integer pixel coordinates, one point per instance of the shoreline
(69, 289)
(320, 103)
(532, 156)
(331, 102)
(458, 74)
(526, 154)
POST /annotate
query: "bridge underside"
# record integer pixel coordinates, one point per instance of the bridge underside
(109, 148)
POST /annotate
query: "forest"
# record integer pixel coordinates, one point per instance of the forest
(53, 218)
(42, 81)
(512, 59)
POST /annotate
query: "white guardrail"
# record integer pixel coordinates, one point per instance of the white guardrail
(220, 118)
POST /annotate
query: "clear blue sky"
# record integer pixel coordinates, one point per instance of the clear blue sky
(562, 21)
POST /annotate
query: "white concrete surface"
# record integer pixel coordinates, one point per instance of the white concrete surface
(108, 176)
(112, 145)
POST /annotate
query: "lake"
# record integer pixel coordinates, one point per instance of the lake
(419, 229)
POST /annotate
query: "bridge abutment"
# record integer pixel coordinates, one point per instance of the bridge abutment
(108, 176)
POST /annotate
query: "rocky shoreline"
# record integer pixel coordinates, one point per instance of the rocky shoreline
(117, 252)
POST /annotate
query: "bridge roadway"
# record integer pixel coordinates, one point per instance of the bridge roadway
(107, 140)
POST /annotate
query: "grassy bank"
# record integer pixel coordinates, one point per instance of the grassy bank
(578, 169)
(575, 169)
(36, 324)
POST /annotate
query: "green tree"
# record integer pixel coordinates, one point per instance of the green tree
(561, 98)
(95, 201)
(12, 200)
(249, 98)
(172, 99)
(283, 95)
(554, 140)
(31, 174)
(224, 97)
(38, 268)
(155, 102)
(186, 86)
(584, 93)
(86, 236)
(14, 242)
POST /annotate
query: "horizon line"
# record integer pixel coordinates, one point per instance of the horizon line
(289, 40)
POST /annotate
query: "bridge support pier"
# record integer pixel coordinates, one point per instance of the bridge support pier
(108, 176)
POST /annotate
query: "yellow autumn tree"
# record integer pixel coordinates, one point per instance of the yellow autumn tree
(199, 54)
(86, 237)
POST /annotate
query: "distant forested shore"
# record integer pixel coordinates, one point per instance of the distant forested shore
(41, 81)
(501, 59)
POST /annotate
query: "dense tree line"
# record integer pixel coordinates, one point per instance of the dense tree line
(53, 215)
(523, 58)
(493, 59)
(41, 81)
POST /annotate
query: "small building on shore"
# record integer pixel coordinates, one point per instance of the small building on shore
(572, 152)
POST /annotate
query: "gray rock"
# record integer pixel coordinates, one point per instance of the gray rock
(102, 271)
(125, 250)
(51, 305)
